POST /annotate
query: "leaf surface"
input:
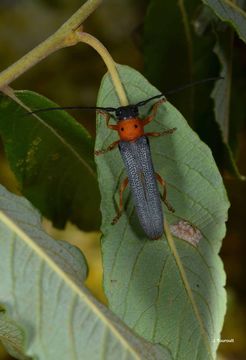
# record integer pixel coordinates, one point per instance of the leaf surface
(12, 337)
(49, 314)
(143, 279)
(52, 158)
(230, 12)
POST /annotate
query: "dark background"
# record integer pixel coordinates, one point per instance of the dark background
(72, 77)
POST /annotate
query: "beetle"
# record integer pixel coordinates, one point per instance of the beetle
(135, 151)
(134, 147)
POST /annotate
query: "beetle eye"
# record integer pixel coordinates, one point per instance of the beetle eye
(122, 129)
(136, 126)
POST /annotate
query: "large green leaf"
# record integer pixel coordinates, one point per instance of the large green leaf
(52, 157)
(162, 46)
(230, 12)
(194, 60)
(144, 281)
(42, 293)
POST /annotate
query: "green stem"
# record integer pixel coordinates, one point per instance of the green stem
(107, 58)
(63, 37)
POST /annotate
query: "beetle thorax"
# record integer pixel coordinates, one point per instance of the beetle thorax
(126, 112)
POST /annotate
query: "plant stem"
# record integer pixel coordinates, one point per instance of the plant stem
(107, 58)
(63, 37)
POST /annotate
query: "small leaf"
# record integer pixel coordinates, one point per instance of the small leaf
(143, 281)
(222, 90)
(228, 11)
(52, 158)
(222, 93)
(12, 337)
(226, 94)
(42, 293)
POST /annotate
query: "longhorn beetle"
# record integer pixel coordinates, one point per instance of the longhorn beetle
(135, 151)
(141, 177)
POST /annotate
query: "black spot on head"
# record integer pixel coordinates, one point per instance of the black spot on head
(126, 112)
(122, 129)
(136, 126)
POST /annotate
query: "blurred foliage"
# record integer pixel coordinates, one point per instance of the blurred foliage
(231, 13)
(200, 47)
(72, 76)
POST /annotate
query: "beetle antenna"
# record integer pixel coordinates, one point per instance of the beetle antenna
(72, 108)
(179, 88)
(141, 103)
(194, 83)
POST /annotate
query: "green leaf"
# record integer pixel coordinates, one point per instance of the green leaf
(12, 337)
(52, 158)
(194, 60)
(162, 46)
(42, 292)
(143, 280)
(228, 11)
(222, 93)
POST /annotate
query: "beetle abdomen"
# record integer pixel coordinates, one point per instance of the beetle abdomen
(142, 180)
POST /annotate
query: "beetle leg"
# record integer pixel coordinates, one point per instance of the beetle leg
(153, 112)
(164, 195)
(120, 210)
(107, 117)
(109, 148)
(166, 132)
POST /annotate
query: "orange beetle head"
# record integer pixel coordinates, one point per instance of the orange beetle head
(130, 129)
